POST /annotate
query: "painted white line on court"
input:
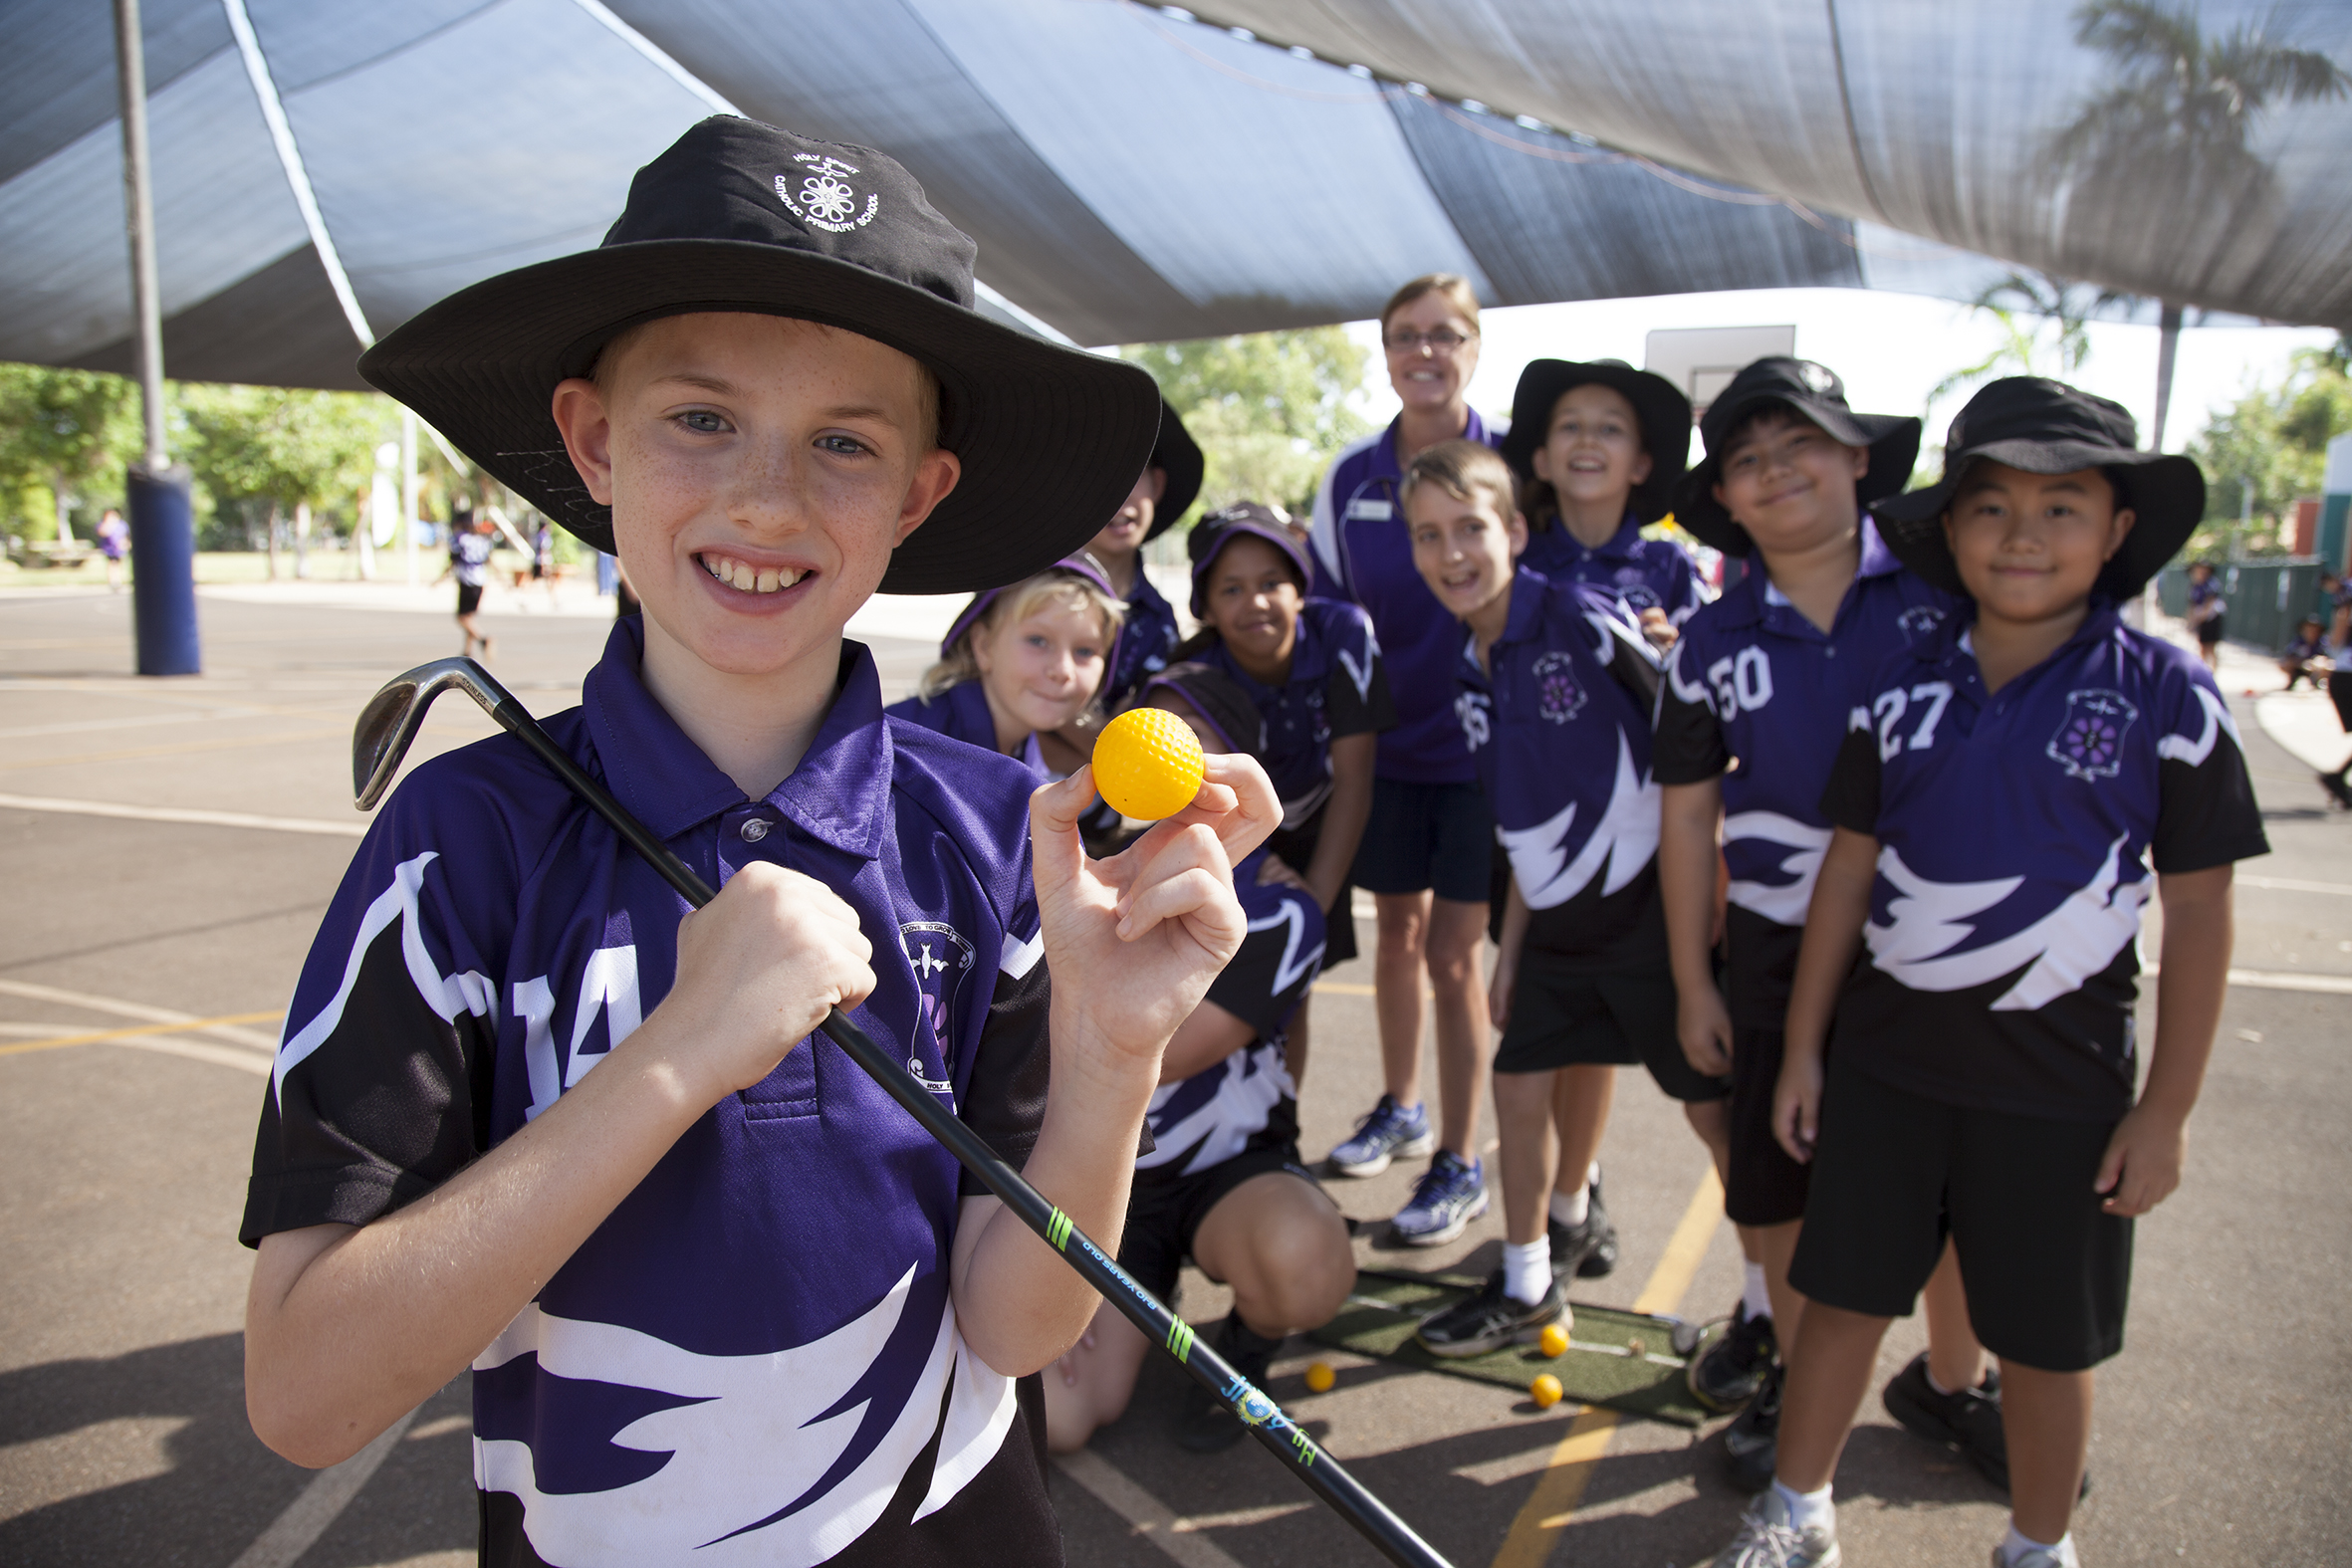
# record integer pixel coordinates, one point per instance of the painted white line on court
(1152, 1519)
(2280, 980)
(2288, 884)
(322, 1501)
(177, 813)
(250, 1039)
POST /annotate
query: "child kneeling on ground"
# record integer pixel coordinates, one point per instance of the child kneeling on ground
(1020, 662)
(724, 1300)
(1223, 1184)
(1996, 796)
(1556, 683)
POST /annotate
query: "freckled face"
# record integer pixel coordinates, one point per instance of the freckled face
(1253, 600)
(2032, 545)
(1462, 550)
(1592, 451)
(760, 472)
(1043, 668)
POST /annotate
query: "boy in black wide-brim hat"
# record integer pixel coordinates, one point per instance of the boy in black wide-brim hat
(724, 1300)
(1999, 793)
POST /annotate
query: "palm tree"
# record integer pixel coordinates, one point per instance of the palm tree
(2169, 137)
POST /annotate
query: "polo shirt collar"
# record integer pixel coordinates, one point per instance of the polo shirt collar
(1384, 459)
(1757, 591)
(2100, 626)
(1526, 605)
(1620, 546)
(839, 793)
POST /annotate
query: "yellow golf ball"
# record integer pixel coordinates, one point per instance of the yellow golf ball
(1148, 764)
(1321, 1377)
(1545, 1390)
(1554, 1341)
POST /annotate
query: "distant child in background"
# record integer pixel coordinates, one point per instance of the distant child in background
(1757, 698)
(1557, 685)
(1599, 448)
(2207, 615)
(2338, 785)
(2002, 790)
(1312, 669)
(2304, 658)
(1163, 493)
(1223, 1185)
(1021, 660)
(470, 544)
(113, 542)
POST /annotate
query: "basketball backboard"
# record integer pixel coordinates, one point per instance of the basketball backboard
(1703, 359)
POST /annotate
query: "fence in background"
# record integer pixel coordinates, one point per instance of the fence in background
(2265, 599)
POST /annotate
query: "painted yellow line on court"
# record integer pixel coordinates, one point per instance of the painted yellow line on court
(1562, 1485)
(142, 1029)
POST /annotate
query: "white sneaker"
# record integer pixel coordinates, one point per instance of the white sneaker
(1768, 1540)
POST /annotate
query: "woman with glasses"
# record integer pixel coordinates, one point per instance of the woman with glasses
(1425, 850)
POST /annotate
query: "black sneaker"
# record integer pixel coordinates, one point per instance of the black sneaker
(1208, 1424)
(1587, 1250)
(1727, 1374)
(1490, 1320)
(1969, 1421)
(1751, 1442)
(2337, 789)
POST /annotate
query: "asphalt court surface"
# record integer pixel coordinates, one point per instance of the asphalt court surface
(174, 927)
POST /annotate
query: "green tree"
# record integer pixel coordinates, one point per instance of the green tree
(2025, 305)
(60, 430)
(2269, 449)
(279, 450)
(1269, 410)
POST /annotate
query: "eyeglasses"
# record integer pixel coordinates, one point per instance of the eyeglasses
(1442, 340)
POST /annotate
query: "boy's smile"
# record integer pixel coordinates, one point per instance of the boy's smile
(760, 471)
(1789, 484)
(1123, 535)
(2030, 546)
(1464, 550)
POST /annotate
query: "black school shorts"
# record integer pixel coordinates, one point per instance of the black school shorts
(1426, 837)
(2339, 692)
(1295, 848)
(1562, 1015)
(1766, 1187)
(2048, 1271)
(469, 598)
(2209, 632)
(1164, 1213)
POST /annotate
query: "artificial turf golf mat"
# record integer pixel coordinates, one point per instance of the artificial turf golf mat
(1624, 1360)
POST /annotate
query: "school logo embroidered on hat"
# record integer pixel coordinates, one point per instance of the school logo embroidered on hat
(1816, 377)
(2089, 744)
(1558, 696)
(825, 200)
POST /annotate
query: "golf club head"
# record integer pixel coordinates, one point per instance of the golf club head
(389, 724)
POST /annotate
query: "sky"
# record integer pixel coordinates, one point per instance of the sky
(1891, 350)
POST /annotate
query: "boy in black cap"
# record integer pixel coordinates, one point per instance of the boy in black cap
(1161, 495)
(1756, 698)
(1998, 795)
(723, 1299)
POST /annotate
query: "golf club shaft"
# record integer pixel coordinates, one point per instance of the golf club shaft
(1265, 1420)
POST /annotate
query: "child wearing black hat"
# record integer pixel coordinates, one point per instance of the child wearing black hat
(1022, 661)
(1312, 670)
(1755, 700)
(1159, 498)
(2304, 658)
(2000, 789)
(722, 1299)
(1599, 448)
(1223, 1185)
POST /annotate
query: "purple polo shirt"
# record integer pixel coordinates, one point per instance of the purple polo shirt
(962, 712)
(2011, 829)
(756, 1347)
(1339, 686)
(1752, 682)
(1363, 553)
(1647, 573)
(1146, 638)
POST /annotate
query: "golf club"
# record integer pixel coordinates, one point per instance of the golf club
(388, 725)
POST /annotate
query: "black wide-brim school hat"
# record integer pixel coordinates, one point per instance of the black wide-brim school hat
(1664, 412)
(1176, 454)
(1814, 391)
(2047, 427)
(737, 216)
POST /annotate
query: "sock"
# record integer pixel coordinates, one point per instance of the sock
(1592, 1170)
(1526, 1271)
(1754, 1299)
(1572, 1209)
(1807, 1510)
(2017, 1545)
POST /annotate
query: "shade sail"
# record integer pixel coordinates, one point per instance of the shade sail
(1133, 174)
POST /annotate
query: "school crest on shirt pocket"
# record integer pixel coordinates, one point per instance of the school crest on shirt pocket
(1559, 697)
(940, 959)
(2089, 741)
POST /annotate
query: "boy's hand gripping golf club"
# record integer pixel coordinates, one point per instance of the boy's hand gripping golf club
(386, 727)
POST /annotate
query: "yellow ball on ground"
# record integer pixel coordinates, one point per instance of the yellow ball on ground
(1321, 1377)
(1148, 764)
(1545, 1390)
(1554, 1341)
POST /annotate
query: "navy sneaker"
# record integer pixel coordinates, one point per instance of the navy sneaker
(1448, 1197)
(1388, 1133)
(1727, 1374)
(1587, 1250)
(1490, 1320)
(1751, 1442)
